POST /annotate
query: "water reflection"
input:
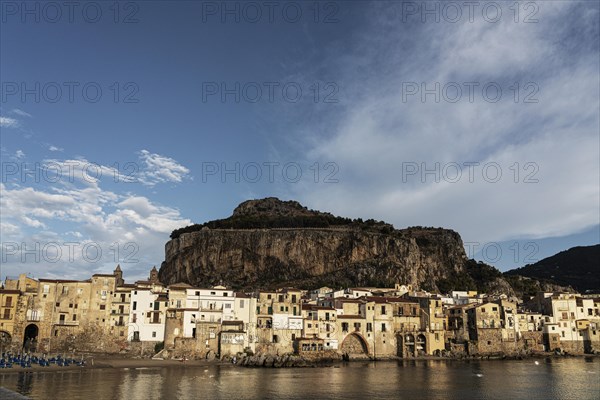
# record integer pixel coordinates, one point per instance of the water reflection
(548, 379)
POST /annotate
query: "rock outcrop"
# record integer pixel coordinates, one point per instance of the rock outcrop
(272, 243)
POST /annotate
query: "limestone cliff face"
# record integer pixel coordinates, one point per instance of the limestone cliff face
(345, 253)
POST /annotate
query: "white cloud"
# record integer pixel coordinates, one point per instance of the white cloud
(6, 122)
(54, 148)
(158, 169)
(19, 154)
(123, 228)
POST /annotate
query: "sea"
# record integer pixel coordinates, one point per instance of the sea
(541, 378)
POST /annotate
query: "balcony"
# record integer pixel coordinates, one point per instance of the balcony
(6, 316)
(215, 309)
(68, 323)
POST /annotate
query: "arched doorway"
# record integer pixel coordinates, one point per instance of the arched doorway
(30, 337)
(354, 345)
(409, 341)
(399, 345)
(421, 345)
(5, 340)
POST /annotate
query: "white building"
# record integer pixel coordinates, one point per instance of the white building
(147, 315)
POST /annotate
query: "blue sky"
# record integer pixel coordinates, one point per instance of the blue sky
(485, 122)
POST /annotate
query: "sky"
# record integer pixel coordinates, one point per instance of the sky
(121, 121)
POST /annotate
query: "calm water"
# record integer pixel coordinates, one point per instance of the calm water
(551, 379)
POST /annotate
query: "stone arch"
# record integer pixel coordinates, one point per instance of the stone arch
(421, 345)
(354, 344)
(399, 345)
(409, 342)
(5, 340)
(30, 337)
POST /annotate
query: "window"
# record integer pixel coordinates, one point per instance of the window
(357, 326)
(213, 293)
(57, 304)
(70, 305)
(383, 310)
(153, 334)
(269, 296)
(134, 305)
(281, 298)
(326, 316)
(482, 309)
(294, 299)
(8, 301)
(369, 327)
(74, 317)
(134, 318)
(225, 294)
(227, 305)
(344, 327)
(275, 339)
(65, 289)
(310, 325)
(102, 306)
(79, 291)
(46, 288)
(494, 308)
(383, 328)
(241, 303)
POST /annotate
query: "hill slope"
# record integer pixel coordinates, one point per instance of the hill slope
(578, 267)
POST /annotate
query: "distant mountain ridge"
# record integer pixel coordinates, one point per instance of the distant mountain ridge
(578, 267)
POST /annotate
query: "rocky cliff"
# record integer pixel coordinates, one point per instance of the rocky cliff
(271, 243)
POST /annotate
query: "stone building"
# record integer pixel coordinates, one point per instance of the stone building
(9, 301)
(279, 320)
(319, 323)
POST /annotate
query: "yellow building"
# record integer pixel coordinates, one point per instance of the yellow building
(9, 300)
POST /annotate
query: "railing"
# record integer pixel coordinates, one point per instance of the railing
(9, 316)
(211, 309)
(68, 323)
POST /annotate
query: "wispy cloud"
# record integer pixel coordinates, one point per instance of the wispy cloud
(378, 131)
(156, 168)
(21, 113)
(6, 122)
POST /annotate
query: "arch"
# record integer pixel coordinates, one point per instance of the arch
(354, 344)
(409, 342)
(30, 337)
(421, 345)
(5, 339)
(399, 345)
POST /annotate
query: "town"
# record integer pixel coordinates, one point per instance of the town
(149, 319)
